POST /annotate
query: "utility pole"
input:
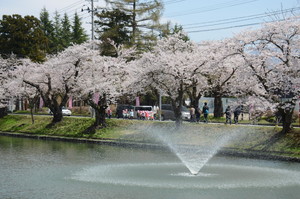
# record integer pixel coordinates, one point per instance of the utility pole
(92, 11)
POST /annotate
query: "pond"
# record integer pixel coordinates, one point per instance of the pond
(32, 169)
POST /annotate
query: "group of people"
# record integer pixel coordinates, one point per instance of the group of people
(142, 115)
(196, 113)
(237, 111)
(145, 115)
(128, 114)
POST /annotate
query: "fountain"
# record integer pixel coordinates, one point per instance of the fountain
(194, 148)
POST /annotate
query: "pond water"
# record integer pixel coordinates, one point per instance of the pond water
(34, 169)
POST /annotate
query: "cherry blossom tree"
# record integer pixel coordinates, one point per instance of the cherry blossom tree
(16, 88)
(6, 66)
(199, 84)
(221, 71)
(80, 72)
(3, 64)
(105, 80)
(272, 55)
(172, 67)
(56, 79)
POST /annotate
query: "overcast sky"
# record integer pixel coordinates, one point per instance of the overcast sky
(202, 19)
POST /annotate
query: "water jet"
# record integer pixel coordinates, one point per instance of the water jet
(193, 148)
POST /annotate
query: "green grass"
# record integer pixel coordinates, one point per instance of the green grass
(69, 127)
(22, 123)
(251, 137)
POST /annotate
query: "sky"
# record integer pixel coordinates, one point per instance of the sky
(201, 19)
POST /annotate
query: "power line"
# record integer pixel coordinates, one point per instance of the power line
(212, 7)
(237, 19)
(83, 15)
(76, 7)
(86, 17)
(172, 1)
(166, 2)
(249, 16)
(75, 10)
(230, 27)
(223, 28)
(70, 6)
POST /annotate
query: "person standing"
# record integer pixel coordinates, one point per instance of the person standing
(236, 114)
(205, 110)
(125, 114)
(131, 114)
(109, 113)
(192, 113)
(228, 115)
(198, 114)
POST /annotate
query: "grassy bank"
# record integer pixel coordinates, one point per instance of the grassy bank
(244, 138)
(69, 127)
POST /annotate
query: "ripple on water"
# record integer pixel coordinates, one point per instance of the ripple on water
(174, 175)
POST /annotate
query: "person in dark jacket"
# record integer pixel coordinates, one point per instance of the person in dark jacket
(236, 114)
(205, 110)
(228, 115)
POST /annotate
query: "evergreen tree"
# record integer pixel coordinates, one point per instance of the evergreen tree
(57, 33)
(23, 37)
(145, 16)
(66, 34)
(78, 34)
(47, 28)
(113, 26)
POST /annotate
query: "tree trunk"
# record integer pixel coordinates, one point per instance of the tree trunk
(100, 120)
(177, 113)
(177, 106)
(195, 100)
(31, 113)
(195, 103)
(56, 111)
(3, 112)
(80, 107)
(218, 106)
(100, 108)
(287, 117)
(57, 116)
(31, 104)
(194, 97)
